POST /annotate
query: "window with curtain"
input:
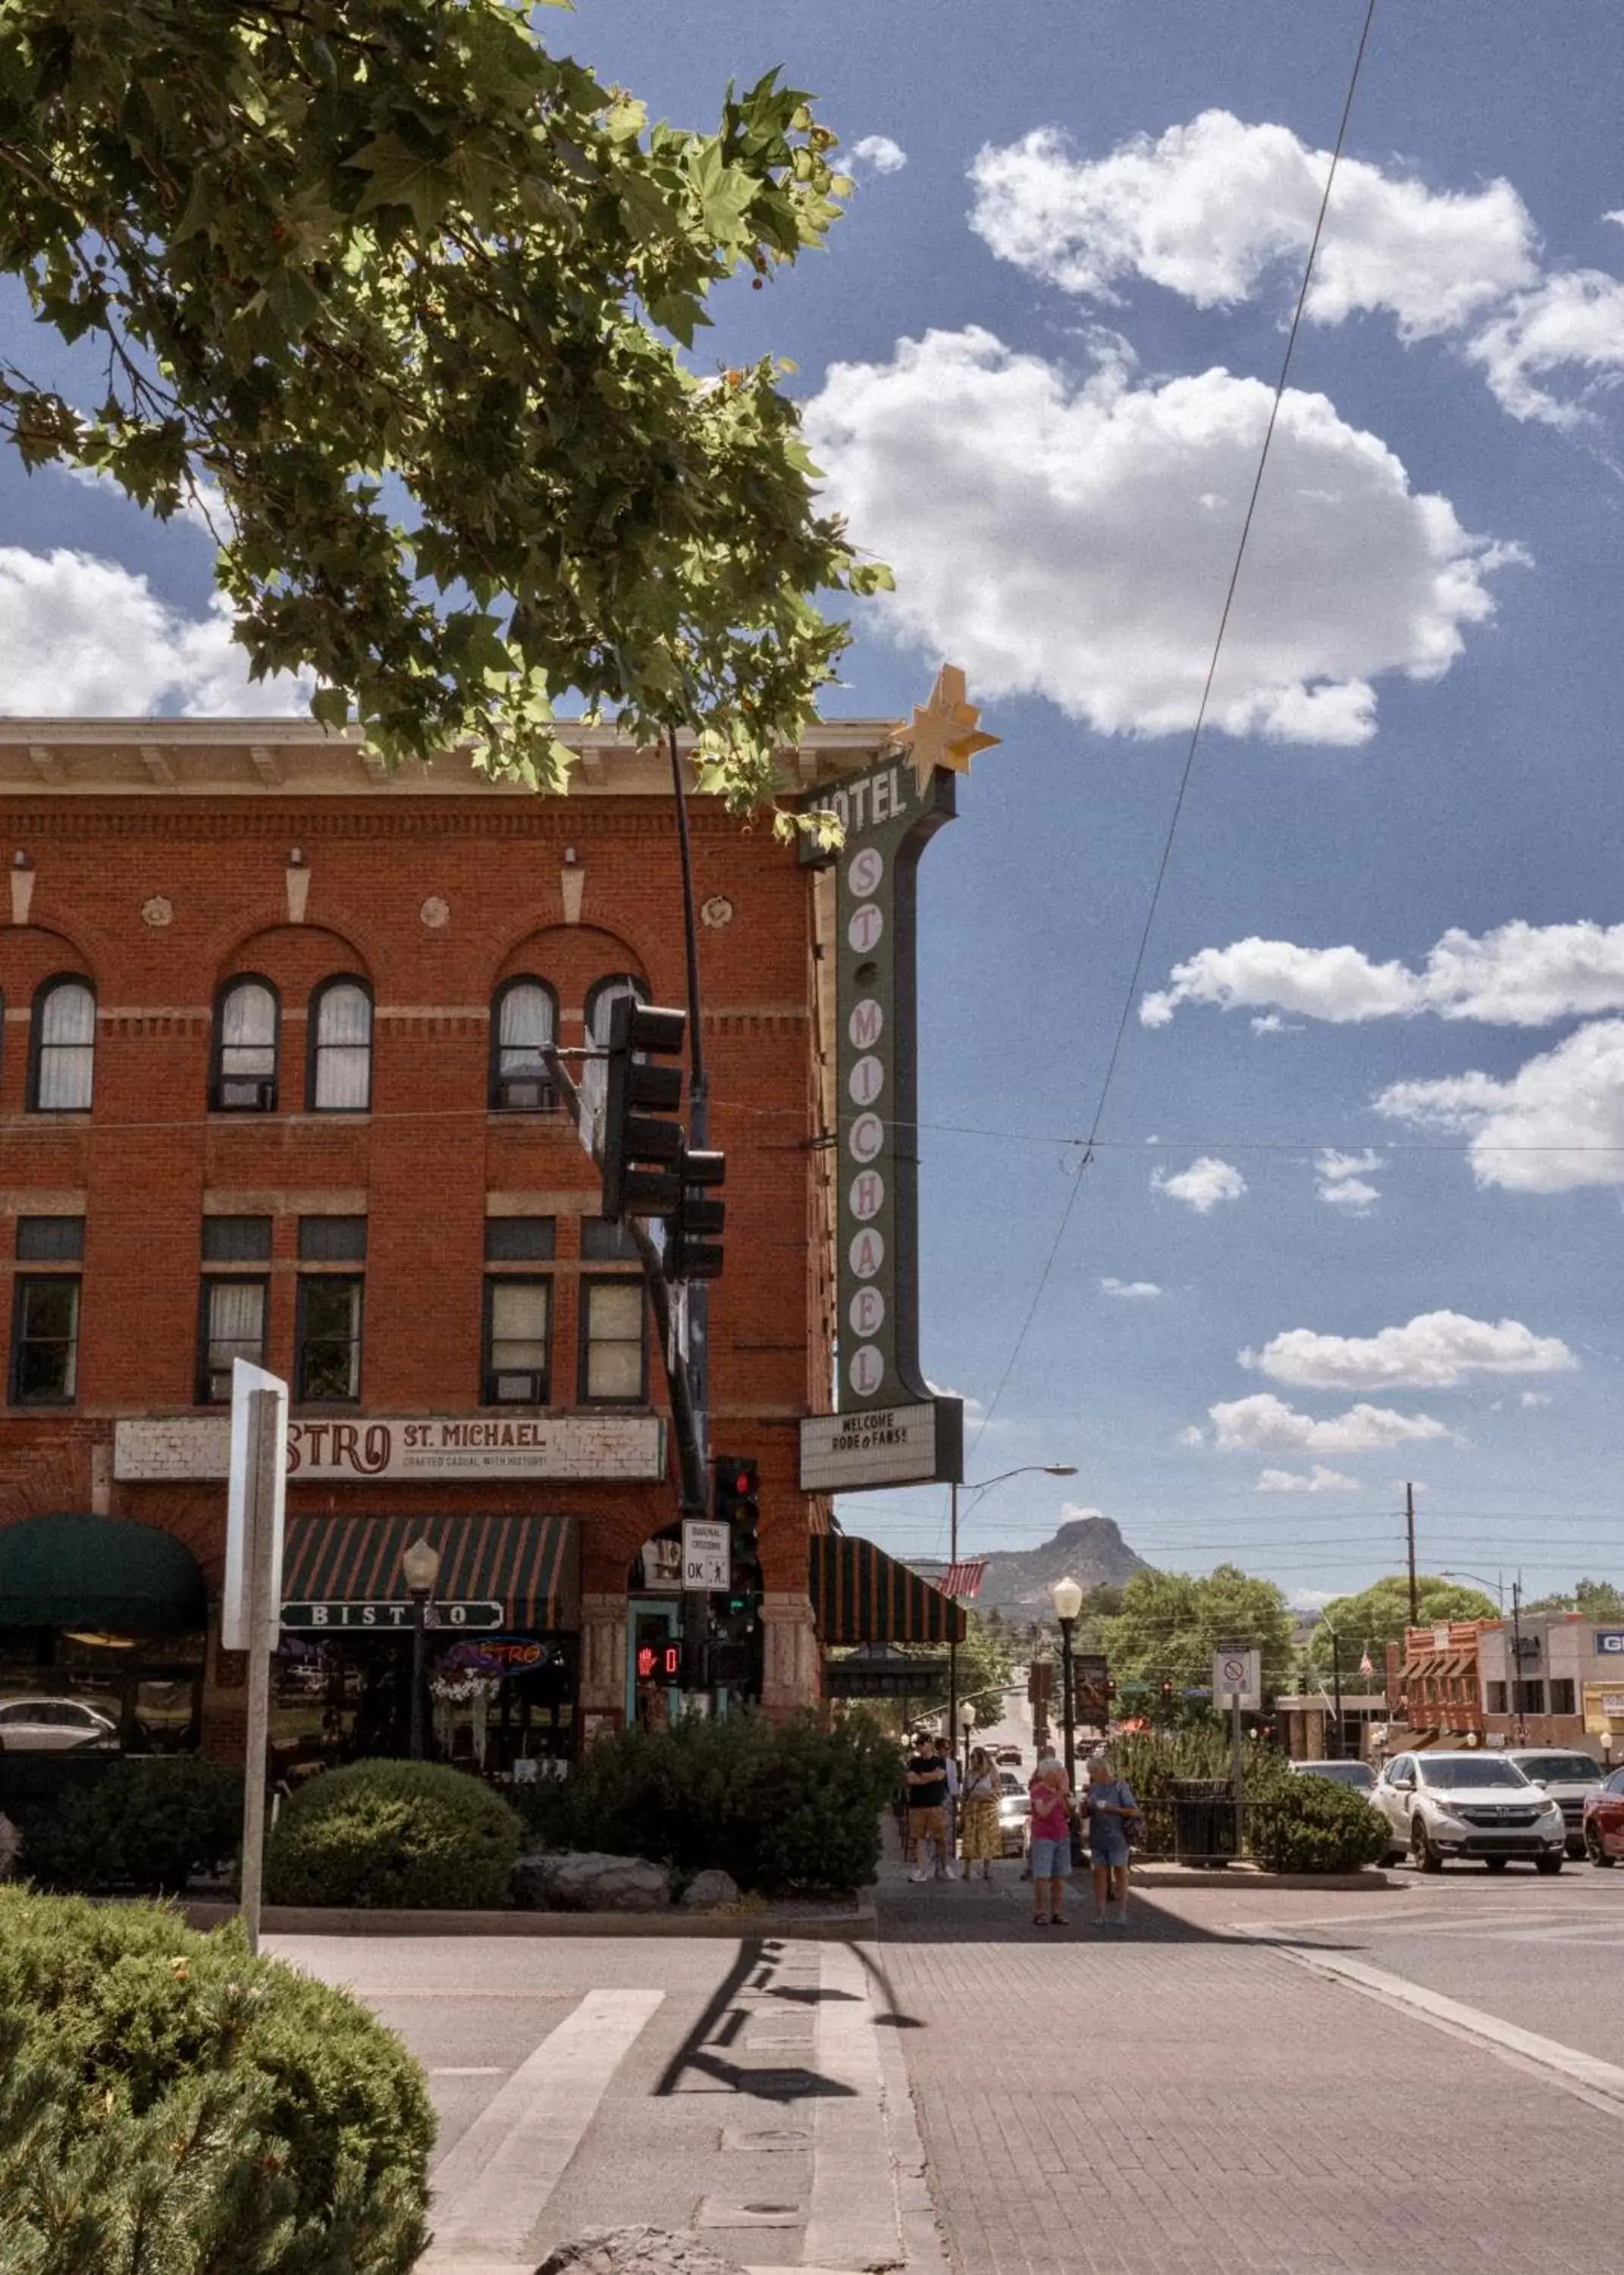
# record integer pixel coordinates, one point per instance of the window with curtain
(245, 1048)
(518, 1315)
(233, 1328)
(341, 1048)
(600, 1002)
(45, 1342)
(65, 1048)
(524, 1025)
(328, 1372)
(612, 1350)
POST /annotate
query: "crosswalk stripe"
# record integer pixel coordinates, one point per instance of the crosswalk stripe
(491, 2187)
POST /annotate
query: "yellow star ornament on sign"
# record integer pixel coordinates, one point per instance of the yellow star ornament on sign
(944, 731)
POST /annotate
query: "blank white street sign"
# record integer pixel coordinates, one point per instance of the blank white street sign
(707, 1565)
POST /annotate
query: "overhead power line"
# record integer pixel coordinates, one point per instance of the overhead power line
(1195, 732)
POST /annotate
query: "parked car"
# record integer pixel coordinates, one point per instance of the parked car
(1011, 1754)
(1568, 1776)
(1014, 1821)
(40, 1726)
(1358, 1774)
(1603, 1826)
(1442, 1806)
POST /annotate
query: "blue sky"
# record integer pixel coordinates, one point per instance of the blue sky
(1092, 242)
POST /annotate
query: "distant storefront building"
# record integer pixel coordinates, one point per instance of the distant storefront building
(272, 1086)
(1567, 1687)
(1434, 1689)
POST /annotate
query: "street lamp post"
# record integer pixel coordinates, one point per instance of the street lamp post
(967, 1723)
(1067, 1603)
(1026, 1468)
(419, 1568)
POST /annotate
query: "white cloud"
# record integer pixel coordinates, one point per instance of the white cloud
(1269, 1023)
(1518, 975)
(1574, 322)
(1537, 1398)
(83, 637)
(1265, 1425)
(1436, 1350)
(879, 152)
(1556, 1124)
(1072, 1511)
(1344, 1180)
(1209, 210)
(1191, 1436)
(1317, 1480)
(1203, 1185)
(1135, 1289)
(1068, 537)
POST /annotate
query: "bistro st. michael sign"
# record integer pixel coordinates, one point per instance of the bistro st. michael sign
(890, 1429)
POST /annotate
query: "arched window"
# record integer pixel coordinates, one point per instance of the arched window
(63, 1055)
(601, 998)
(523, 1026)
(340, 1078)
(245, 1035)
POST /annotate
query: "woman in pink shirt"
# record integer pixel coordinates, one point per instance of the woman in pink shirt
(1051, 1842)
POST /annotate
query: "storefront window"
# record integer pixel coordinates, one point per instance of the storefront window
(62, 1691)
(502, 1706)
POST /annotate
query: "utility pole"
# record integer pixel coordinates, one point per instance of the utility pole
(1516, 1657)
(696, 1605)
(1336, 1691)
(953, 1641)
(1410, 1534)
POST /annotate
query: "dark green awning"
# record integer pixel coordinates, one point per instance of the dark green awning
(861, 1595)
(74, 1571)
(531, 1564)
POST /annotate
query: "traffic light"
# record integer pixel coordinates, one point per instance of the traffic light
(693, 1231)
(638, 1097)
(739, 1507)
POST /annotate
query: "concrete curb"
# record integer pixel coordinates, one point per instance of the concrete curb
(1253, 1879)
(851, 1922)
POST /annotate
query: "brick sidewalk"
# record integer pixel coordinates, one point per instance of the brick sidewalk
(1163, 2101)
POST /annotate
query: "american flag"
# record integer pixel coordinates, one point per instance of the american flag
(1367, 1664)
(963, 1578)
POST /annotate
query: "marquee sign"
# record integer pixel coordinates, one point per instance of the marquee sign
(414, 1449)
(888, 816)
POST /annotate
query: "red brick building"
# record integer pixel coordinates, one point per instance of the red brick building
(270, 1086)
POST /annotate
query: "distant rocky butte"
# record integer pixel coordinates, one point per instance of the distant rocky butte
(1090, 1550)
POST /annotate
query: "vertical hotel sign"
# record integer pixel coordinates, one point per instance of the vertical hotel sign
(890, 1429)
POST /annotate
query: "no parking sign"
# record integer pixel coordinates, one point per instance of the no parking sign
(1237, 1673)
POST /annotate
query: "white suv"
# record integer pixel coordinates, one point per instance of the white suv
(1442, 1806)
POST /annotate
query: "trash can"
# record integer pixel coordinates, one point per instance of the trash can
(1203, 1821)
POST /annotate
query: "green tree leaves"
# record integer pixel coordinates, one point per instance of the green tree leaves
(1170, 1623)
(1380, 1614)
(400, 287)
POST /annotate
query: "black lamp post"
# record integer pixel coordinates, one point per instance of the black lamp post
(419, 1568)
(1068, 1597)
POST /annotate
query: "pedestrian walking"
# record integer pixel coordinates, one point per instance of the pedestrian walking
(1111, 1811)
(1051, 1842)
(928, 1806)
(949, 1869)
(982, 1842)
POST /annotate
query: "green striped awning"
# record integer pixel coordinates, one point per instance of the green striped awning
(532, 1564)
(861, 1595)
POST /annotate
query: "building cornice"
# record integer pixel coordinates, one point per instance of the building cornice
(167, 760)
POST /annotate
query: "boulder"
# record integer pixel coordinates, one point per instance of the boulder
(584, 1880)
(635, 2251)
(708, 1889)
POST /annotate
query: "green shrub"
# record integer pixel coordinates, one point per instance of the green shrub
(170, 2106)
(786, 1807)
(1314, 1824)
(150, 1822)
(381, 1834)
(1154, 1761)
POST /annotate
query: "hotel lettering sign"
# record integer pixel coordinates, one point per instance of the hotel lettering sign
(888, 816)
(413, 1448)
